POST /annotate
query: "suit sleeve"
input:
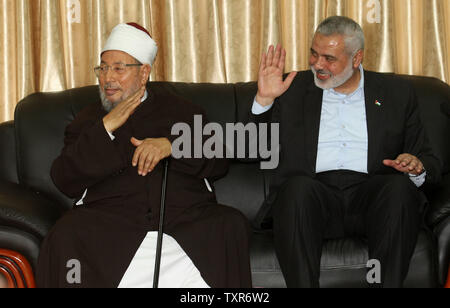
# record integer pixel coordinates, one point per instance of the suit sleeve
(417, 143)
(266, 117)
(88, 157)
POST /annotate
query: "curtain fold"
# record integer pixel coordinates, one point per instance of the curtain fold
(52, 45)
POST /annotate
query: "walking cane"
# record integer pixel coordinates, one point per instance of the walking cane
(161, 223)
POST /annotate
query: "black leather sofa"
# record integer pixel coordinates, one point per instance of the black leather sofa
(30, 204)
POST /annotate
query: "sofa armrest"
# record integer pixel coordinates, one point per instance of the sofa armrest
(439, 199)
(438, 219)
(442, 232)
(23, 209)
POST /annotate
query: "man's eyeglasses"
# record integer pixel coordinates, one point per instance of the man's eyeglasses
(118, 68)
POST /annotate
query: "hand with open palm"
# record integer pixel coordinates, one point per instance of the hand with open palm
(270, 78)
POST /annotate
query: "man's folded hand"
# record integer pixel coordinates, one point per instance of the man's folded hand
(406, 163)
(149, 153)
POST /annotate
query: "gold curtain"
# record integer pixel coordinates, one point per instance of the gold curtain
(52, 45)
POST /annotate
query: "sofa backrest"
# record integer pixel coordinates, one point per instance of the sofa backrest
(41, 118)
(8, 164)
(40, 121)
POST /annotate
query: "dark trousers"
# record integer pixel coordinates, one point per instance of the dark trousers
(385, 209)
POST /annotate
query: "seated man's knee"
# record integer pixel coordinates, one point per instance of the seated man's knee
(235, 220)
(298, 184)
(399, 185)
(298, 192)
(399, 194)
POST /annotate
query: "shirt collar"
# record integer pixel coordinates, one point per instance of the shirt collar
(145, 96)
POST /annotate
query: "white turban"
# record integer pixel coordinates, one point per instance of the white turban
(134, 40)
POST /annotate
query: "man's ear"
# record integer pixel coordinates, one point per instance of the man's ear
(358, 58)
(146, 70)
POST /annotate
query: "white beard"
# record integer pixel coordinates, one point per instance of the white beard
(335, 81)
(107, 105)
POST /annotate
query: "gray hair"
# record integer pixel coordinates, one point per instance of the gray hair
(351, 30)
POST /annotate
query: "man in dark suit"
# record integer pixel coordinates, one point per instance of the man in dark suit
(353, 153)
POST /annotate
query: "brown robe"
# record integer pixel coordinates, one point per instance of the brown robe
(121, 206)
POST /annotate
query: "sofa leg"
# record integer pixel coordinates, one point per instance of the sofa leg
(6, 278)
(447, 285)
(16, 270)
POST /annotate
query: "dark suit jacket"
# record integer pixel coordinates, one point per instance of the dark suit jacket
(393, 128)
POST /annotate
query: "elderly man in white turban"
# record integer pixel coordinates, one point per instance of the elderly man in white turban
(111, 164)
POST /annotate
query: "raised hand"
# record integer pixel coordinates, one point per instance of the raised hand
(149, 153)
(270, 78)
(406, 163)
(120, 114)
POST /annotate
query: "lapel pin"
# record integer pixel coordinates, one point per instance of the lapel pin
(377, 103)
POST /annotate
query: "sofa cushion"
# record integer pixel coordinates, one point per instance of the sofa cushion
(343, 263)
(27, 210)
(439, 202)
(40, 121)
(242, 188)
(442, 230)
(22, 242)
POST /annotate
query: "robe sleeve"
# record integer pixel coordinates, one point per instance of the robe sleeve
(88, 157)
(201, 168)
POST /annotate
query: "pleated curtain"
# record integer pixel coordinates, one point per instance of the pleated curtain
(52, 45)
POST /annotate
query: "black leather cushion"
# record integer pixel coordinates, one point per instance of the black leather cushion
(423, 272)
(26, 210)
(439, 199)
(242, 188)
(40, 121)
(266, 272)
(443, 230)
(22, 242)
(8, 153)
(343, 263)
